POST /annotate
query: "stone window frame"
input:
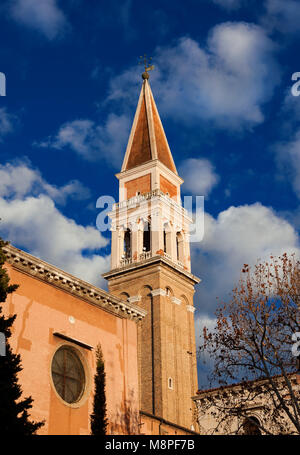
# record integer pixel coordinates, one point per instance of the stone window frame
(87, 373)
(170, 383)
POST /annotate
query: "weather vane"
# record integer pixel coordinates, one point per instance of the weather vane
(146, 61)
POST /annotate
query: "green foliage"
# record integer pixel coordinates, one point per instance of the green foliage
(98, 417)
(14, 417)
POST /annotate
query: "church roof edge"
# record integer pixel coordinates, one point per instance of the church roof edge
(51, 274)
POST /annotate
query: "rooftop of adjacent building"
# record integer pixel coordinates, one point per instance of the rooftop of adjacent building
(295, 376)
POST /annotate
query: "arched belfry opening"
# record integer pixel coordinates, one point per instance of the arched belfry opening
(147, 237)
(127, 244)
(124, 296)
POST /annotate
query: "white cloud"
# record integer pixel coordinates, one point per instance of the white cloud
(30, 220)
(6, 122)
(291, 106)
(239, 235)
(199, 176)
(292, 216)
(282, 15)
(226, 82)
(91, 141)
(205, 363)
(248, 231)
(42, 15)
(19, 180)
(201, 322)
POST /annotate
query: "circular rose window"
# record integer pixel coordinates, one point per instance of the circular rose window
(68, 374)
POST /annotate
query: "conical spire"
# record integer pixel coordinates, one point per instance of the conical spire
(147, 140)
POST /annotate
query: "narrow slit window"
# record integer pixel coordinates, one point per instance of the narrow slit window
(177, 245)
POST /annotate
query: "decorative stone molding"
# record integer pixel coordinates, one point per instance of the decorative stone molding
(152, 260)
(158, 291)
(191, 308)
(175, 300)
(154, 195)
(134, 298)
(52, 275)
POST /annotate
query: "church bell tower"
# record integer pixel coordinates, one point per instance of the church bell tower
(151, 267)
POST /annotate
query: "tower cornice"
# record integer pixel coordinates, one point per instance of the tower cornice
(154, 260)
(147, 166)
(158, 199)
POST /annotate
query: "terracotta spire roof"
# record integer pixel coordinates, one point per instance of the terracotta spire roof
(147, 140)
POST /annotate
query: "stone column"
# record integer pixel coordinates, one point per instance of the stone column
(136, 239)
(187, 251)
(157, 235)
(173, 244)
(114, 248)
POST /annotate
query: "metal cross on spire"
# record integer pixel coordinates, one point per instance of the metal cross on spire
(146, 61)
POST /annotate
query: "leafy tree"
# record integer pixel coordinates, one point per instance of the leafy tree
(98, 417)
(254, 347)
(14, 417)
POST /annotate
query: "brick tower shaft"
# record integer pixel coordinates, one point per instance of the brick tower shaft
(151, 267)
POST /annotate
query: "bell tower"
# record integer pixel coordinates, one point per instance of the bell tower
(151, 267)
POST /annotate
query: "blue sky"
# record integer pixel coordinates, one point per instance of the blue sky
(222, 84)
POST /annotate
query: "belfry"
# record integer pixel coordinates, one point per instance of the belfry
(151, 268)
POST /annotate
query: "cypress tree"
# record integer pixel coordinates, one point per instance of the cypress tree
(14, 417)
(98, 417)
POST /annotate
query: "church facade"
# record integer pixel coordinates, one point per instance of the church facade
(251, 408)
(144, 324)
